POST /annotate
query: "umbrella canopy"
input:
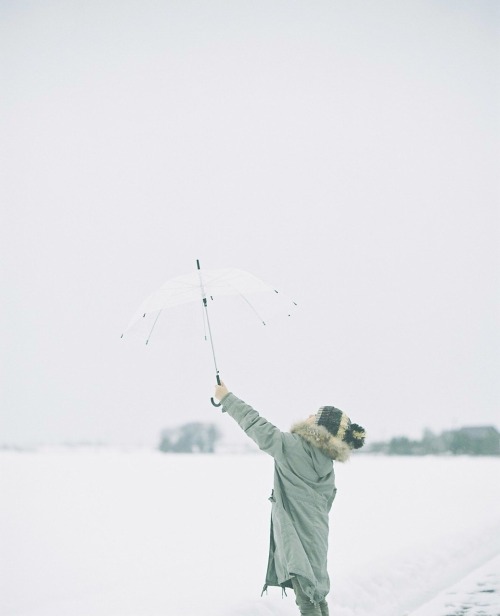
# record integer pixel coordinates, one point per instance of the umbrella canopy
(201, 286)
(205, 284)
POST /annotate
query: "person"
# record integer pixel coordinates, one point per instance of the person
(302, 496)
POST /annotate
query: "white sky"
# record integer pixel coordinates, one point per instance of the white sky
(346, 152)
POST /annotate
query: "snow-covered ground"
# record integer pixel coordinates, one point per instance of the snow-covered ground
(139, 533)
(478, 594)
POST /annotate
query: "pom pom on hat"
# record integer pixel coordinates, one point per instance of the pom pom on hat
(340, 426)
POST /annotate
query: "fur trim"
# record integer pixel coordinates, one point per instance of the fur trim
(319, 437)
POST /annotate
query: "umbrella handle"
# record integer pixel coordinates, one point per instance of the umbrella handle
(211, 399)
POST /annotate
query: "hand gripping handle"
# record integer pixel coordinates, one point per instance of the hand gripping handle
(211, 399)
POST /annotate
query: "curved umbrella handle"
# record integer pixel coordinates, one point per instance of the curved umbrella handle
(211, 399)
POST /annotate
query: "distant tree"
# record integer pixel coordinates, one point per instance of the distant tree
(397, 445)
(376, 447)
(403, 446)
(194, 437)
(432, 443)
(458, 443)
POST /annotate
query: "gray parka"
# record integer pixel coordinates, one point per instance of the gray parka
(304, 489)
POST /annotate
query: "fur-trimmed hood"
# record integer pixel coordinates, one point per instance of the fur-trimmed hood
(319, 437)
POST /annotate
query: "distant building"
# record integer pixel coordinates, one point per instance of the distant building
(474, 440)
(471, 440)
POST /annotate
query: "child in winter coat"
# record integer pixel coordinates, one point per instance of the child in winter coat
(304, 490)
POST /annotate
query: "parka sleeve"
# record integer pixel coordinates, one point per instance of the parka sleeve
(268, 437)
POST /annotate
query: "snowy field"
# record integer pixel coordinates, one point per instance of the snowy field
(139, 533)
(478, 594)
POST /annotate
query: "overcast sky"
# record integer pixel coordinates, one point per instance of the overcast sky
(345, 152)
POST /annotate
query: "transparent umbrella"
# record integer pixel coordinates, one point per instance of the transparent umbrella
(204, 285)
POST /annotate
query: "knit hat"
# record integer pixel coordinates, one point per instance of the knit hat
(340, 426)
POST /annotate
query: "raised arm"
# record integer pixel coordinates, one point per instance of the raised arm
(267, 436)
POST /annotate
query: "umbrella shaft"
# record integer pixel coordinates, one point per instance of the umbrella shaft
(210, 336)
(205, 306)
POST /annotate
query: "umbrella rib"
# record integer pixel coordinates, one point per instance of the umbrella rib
(238, 292)
(252, 307)
(157, 317)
